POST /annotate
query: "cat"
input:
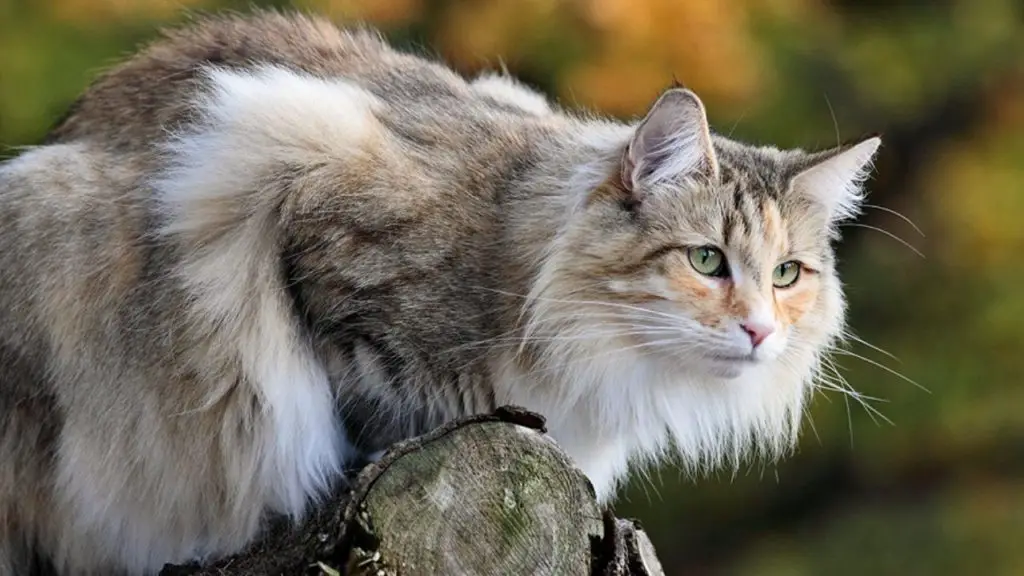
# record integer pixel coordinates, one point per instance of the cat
(265, 247)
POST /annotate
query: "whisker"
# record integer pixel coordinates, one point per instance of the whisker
(882, 366)
(863, 399)
(898, 215)
(825, 382)
(872, 412)
(849, 418)
(835, 122)
(846, 389)
(810, 421)
(603, 353)
(607, 320)
(589, 302)
(880, 350)
(887, 233)
(836, 387)
(737, 122)
(563, 338)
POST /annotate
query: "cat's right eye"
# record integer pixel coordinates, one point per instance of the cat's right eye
(709, 261)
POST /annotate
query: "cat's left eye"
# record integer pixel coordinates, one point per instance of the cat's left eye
(709, 261)
(786, 274)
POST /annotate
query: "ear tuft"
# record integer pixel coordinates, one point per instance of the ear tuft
(673, 141)
(834, 180)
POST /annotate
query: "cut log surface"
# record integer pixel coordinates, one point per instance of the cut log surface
(483, 495)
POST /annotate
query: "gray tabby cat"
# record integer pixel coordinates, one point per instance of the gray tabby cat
(264, 247)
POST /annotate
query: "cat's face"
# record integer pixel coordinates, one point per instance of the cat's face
(717, 276)
(711, 256)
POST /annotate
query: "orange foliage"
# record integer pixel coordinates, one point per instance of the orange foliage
(633, 48)
(643, 44)
(637, 46)
(473, 33)
(379, 12)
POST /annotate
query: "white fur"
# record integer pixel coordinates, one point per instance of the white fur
(761, 312)
(221, 209)
(509, 91)
(836, 183)
(608, 403)
(607, 407)
(250, 117)
(603, 144)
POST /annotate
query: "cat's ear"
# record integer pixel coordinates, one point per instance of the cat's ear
(672, 141)
(833, 179)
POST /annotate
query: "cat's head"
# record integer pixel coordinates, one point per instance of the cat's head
(710, 258)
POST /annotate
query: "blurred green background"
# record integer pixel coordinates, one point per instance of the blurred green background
(932, 485)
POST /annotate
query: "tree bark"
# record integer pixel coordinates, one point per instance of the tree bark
(488, 494)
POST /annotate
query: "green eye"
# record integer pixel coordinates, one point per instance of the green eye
(786, 274)
(708, 260)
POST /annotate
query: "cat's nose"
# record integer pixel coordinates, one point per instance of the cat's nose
(757, 331)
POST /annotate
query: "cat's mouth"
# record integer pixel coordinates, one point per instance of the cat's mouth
(737, 358)
(731, 365)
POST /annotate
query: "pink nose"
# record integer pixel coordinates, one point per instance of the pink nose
(757, 332)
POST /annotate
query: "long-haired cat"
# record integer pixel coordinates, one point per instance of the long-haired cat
(263, 247)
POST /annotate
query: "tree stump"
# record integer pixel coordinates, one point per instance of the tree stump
(488, 494)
